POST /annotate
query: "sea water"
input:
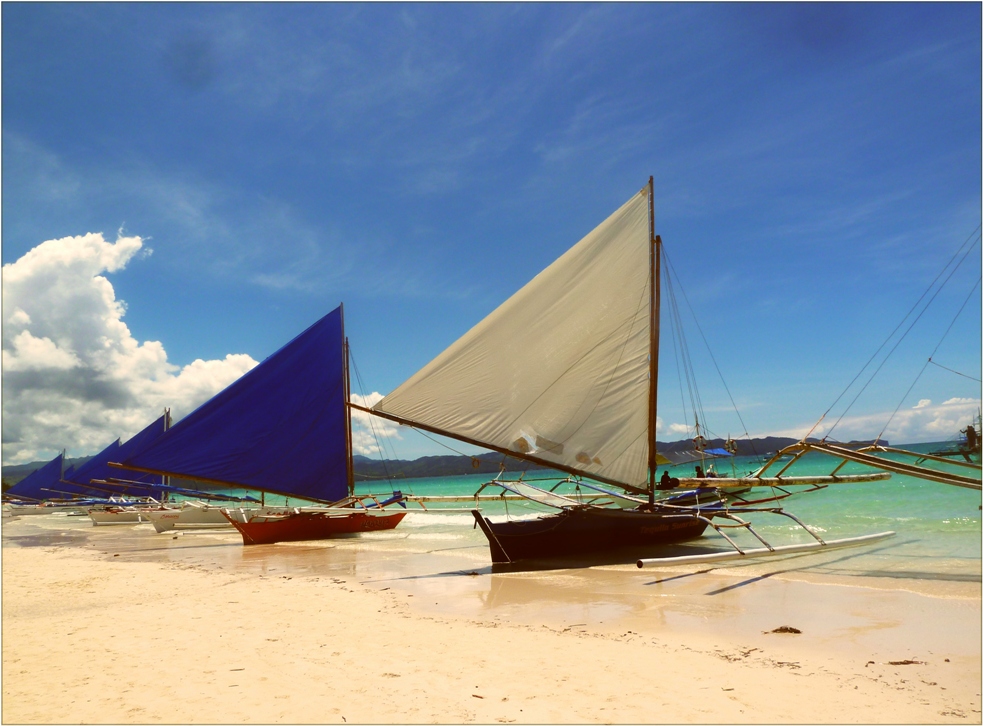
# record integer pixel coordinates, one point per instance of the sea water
(937, 526)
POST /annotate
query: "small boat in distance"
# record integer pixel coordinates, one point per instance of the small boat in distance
(282, 428)
(29, 494)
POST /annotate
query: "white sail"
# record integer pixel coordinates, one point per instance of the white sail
(560, 370)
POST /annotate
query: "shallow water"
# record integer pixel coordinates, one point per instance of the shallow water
(938, 530)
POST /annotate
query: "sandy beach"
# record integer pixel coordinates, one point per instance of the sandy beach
(120, 625)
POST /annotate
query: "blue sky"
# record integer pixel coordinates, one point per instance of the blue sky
(815, 168)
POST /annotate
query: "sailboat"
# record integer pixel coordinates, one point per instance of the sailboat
(35, 493)
(282, 428)
(564, 374)
(112, 504)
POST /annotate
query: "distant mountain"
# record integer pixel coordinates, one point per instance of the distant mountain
(745, 447)
(367, 469)
(14, 473)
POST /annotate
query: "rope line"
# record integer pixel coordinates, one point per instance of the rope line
(928, 304)
(712, 357)
(934, 351)
(952, 371)
(382, 452)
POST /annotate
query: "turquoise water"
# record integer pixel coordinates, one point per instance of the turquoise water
(938, 526)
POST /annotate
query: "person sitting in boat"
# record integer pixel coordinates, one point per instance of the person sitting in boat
(711, 474)
(972, 441)
(699, 473)
(666, 481)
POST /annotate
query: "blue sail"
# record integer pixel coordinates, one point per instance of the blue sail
(78, 482)
(36, 484)
(280, 428)
(74, 481)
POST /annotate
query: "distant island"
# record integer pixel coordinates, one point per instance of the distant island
(367, 469)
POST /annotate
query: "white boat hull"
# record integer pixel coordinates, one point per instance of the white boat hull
(117, 516)
(188, 517)
(20, 510)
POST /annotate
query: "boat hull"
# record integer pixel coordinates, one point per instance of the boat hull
(164, 520)
(116, 515)
(21, 510)
(585, 531)
(302, 526)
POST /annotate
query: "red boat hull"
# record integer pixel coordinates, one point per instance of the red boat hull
(304, 526)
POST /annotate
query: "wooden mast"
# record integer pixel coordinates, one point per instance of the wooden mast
(164, 478)
(349, 463)
(655, 255)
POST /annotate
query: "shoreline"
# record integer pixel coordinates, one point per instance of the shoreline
(197, 629)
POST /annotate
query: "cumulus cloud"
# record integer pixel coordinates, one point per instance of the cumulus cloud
(73, 375)
(368, 431)
(923, 422)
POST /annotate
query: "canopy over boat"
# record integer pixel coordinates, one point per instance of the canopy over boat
(559, 373)
(36, 484)
(281, 428)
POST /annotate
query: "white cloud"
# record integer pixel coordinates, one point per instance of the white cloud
(924, 422)
(29, 353)
(923, 403)
(369, 430)
(73, 375)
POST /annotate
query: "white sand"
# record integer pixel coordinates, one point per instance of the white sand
(88, 638)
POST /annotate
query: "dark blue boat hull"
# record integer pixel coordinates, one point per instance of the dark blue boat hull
(587, 530)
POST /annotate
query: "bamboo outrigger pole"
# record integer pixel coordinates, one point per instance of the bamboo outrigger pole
(861, 457)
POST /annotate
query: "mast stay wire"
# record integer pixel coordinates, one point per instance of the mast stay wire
(972, 239)
(684, 362)
(964, 375)
(378, 442)
(382, 441)
(934, 350)
(706, 343)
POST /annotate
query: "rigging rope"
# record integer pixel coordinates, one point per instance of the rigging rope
(375, 435)
(964, 375)
(707, 345)
(934, 350)
(971, 240)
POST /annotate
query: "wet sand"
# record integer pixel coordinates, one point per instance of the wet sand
(122, 625)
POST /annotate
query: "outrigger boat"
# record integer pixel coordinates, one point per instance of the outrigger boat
(31, 495)
(564, 374)
(282, 428)
(39, 493)
(351, 516)
(119, 506)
